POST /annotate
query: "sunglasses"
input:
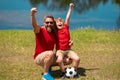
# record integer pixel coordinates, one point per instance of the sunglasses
(49, 22)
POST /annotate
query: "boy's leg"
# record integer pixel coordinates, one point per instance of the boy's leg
(76, 60)
(74, 57)
(66, 61)
(60, 55)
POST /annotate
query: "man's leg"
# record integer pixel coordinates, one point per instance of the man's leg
(45, 59)
(48, 60)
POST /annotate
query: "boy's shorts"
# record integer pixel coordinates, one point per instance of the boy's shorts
(65, 53)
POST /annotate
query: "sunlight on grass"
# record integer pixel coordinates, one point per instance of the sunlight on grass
(98, 50)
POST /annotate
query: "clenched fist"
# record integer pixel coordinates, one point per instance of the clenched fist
(33, 11)
(71, 5)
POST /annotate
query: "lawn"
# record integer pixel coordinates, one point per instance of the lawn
(99, 51)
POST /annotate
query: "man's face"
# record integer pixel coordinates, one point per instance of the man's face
(49, 24)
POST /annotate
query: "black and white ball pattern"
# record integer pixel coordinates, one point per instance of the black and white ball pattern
(70, 72)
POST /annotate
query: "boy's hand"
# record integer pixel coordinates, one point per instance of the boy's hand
(71, 5)
(33, 11)
(70, 43)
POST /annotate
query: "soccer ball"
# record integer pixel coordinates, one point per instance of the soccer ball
(70, 72)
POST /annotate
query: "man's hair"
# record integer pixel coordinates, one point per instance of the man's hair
(49, 16)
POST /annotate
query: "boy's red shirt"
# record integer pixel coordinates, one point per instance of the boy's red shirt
(63, 38)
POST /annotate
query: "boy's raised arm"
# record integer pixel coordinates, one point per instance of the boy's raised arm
(33, 20)
(69, 13)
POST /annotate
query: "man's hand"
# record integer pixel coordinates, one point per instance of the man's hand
(33, 11)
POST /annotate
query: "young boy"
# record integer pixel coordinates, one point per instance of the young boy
(62, 46)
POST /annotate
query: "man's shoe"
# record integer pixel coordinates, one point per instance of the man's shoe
(50, 71)
(47, 77)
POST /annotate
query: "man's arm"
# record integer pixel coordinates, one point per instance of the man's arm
(33, 20)
(69, 13)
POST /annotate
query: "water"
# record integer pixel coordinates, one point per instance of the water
(98, 14)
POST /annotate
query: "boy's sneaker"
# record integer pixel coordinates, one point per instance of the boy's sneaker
(77, 75)
(63, 75)
(47, 77)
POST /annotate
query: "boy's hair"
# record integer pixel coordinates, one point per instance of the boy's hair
(59, 20)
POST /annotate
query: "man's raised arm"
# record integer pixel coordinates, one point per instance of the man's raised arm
(33, 20)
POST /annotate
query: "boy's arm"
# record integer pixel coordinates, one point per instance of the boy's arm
(69, 13)
(33, 20)
(70, 43)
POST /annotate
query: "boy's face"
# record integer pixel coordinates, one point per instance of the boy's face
(59, 24)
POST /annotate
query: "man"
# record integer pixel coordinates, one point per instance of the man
(45, 41)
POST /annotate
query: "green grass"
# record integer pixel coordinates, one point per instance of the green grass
(98, 50)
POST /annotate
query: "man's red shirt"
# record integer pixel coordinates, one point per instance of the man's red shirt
(44, 41)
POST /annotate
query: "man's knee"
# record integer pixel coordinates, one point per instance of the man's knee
(49, 54)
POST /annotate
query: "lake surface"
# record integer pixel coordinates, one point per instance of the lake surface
(98, 14)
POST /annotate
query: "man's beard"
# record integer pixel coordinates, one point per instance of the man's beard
(49, 29)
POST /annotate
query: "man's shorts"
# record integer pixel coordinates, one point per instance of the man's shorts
(39, 60)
